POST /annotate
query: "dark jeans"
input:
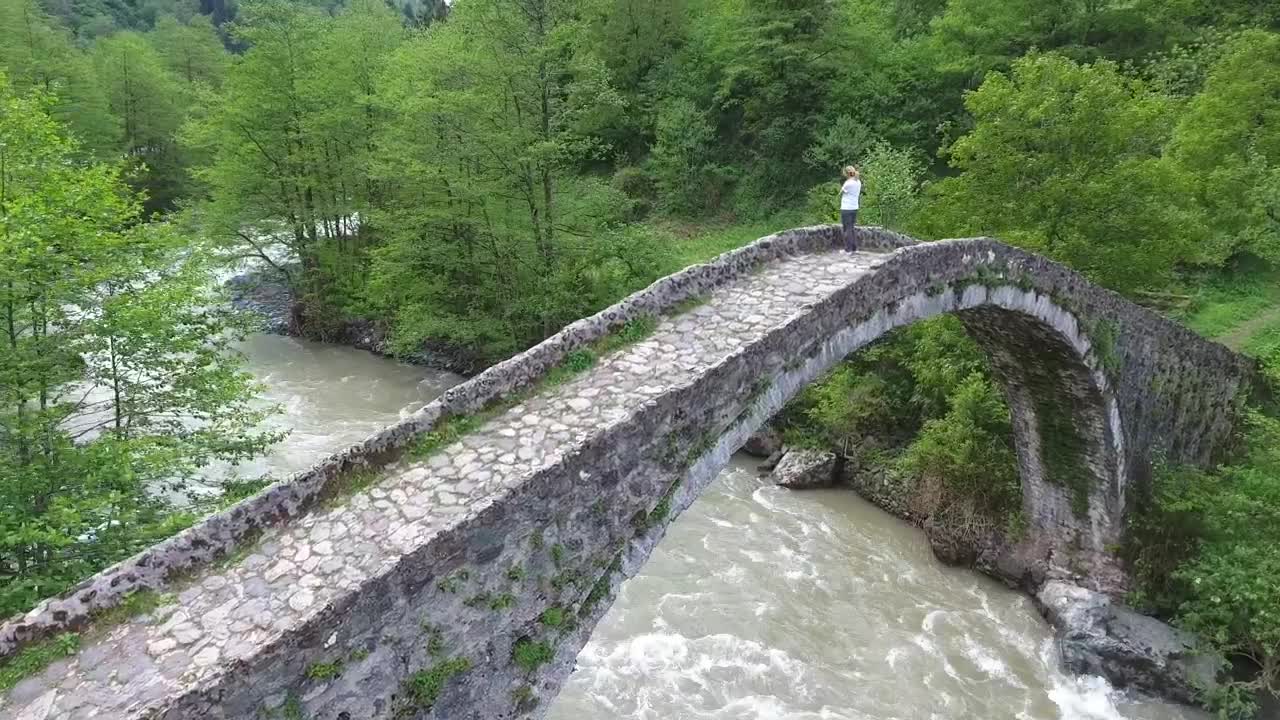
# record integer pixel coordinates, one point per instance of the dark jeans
(848, 221)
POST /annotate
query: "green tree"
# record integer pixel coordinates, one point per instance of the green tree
(634, 39)
(776, 63)
(688, 177)
(191, 49)
(117, 380)
(494, 240)
(289, 139)
(36, 53)
(1065, 159)
(1226, 141)
(892, 180)
(146, 96)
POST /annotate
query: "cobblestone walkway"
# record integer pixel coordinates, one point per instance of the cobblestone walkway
(296, 570)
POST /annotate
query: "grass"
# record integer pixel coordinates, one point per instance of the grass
(424, 687)
(37, 656)
(553, 617)
(1235, 307)
(325, 671)
(531, 655)
(693, 244)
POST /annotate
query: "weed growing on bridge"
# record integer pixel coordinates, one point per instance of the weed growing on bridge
(351, 482)
(552, 617)
(452, 428)
(1104, 337)
(633, 332)
(453, 583)
(573, 364)
(502, 602)
(477, 600)
(435, 639)
(37, 656)
(601, 587)
(562, 580)
(291, 709)
(325, 670)
(524, 698)
(515, 573)
(689, 304)
(531, 655)
(423, 687)
(446, 432)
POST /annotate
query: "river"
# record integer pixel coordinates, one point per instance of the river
(760, 603)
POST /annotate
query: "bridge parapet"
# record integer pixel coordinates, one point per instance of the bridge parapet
(463, 582)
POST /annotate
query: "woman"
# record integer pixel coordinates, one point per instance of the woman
(849, 195)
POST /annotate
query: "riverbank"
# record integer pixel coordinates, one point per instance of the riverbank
(1095, 635)
(265, 294)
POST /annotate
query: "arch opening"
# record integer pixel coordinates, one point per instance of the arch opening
(1066, 425)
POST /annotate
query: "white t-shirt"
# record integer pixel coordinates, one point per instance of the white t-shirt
(849, 193)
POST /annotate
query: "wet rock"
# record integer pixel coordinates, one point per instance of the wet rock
(267, 295)
(804, 469)
(1098, 637)
(764, 443)
(772, 461)
(948, 546)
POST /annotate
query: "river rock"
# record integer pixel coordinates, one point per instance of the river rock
(772, 461)
(949, 546)
(804, 469)
(764, 443)
(266, 295)
(1098, 637)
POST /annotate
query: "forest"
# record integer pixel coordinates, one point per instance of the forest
(478, 174)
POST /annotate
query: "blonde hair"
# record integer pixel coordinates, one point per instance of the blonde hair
(851, 172)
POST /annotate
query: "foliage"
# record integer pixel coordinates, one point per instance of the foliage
(1065, 159)
(530, 655)
(925, 393)
(423, 688)
(1226, 141)
(846, 406)
(118, 382)
(970, 449)
(1206, 548)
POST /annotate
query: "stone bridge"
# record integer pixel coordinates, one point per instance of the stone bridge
(453, 565)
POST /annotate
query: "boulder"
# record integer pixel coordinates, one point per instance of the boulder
(948, 546)
(772, 461)
(804, 469)
(1098, 637)
(764, 443)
